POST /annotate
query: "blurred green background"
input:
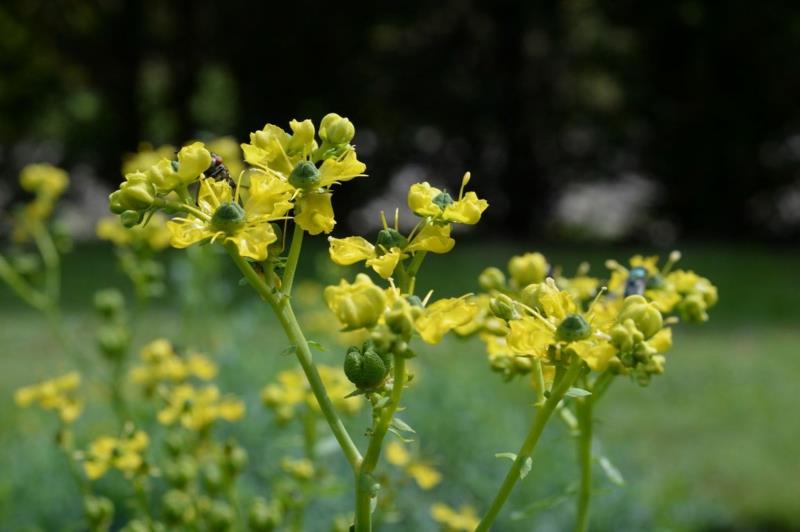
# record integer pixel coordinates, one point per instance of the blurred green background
(710, 445)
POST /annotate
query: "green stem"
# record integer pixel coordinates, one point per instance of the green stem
(181, 207)
(292, 259)
(584, 414)
(538, 379)
(21, 287)
(528, 446)
(364, 481)
(52, 262)
(292, 329)
(416, 262)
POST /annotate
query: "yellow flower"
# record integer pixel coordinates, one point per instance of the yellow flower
(44, 180)
(444, 315)
(301, 469)
(597, 355)
(314, 213)
(193, 160)
(197, 408)
(356, 305)
(352, 249)
(462, 520)
(247, 227)
(530, 336)
(425, 200)
(424, 475)
(434, 238)
(528, 269)
(54, 394)
(124, 454)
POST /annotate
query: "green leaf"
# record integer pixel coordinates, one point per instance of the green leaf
(577, 392)
(399, 424)
(510, 456)
(611, 471)
(291, 350)
(316, 345)
(399, 435)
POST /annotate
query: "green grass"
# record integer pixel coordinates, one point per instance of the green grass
(711, 444)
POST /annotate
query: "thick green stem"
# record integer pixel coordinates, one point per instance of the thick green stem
(283, 309)
(584, 414)
(292, 259)
(528, 446)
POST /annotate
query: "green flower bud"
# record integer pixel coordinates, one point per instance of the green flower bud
(644, 315)
(181, 472)
(400, 319)
(264, 516)
(177, 507)
(109, 302)
(234, 459)
(131, 218)
(693, 309)
(364, 369)
(503, 307)
(305, 176)
(99, 512)
(220, 516)
(229, 217)
(335, 129)
(572, 328)
(113, 341)
(390, 238)
(527, 269)
(213, 479)
(133, 195)
(492, 279)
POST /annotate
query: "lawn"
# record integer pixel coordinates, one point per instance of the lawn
(709, 445)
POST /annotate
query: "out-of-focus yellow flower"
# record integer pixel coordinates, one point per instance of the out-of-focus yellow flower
(462, 520)
(146, 157)
(154, 236)
(528, 269)
(444, 315)
(55, 394)
(291, 389)
(299, 468)
(423, 474)
(247, 227)
(124, 454)
(425, 200)
(44, 180)
(356, 305)
(160, 363)
(197, 408)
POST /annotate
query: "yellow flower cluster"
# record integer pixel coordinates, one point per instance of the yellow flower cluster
(153, 236)
(125, 454)
(47, 183)
(291, 390)
(290, 172)
(198, 408)
(537, 317)
(162, 364)
(438, 211)
(55, 394)
(423, 474)
(362, 304)
(465, 519)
